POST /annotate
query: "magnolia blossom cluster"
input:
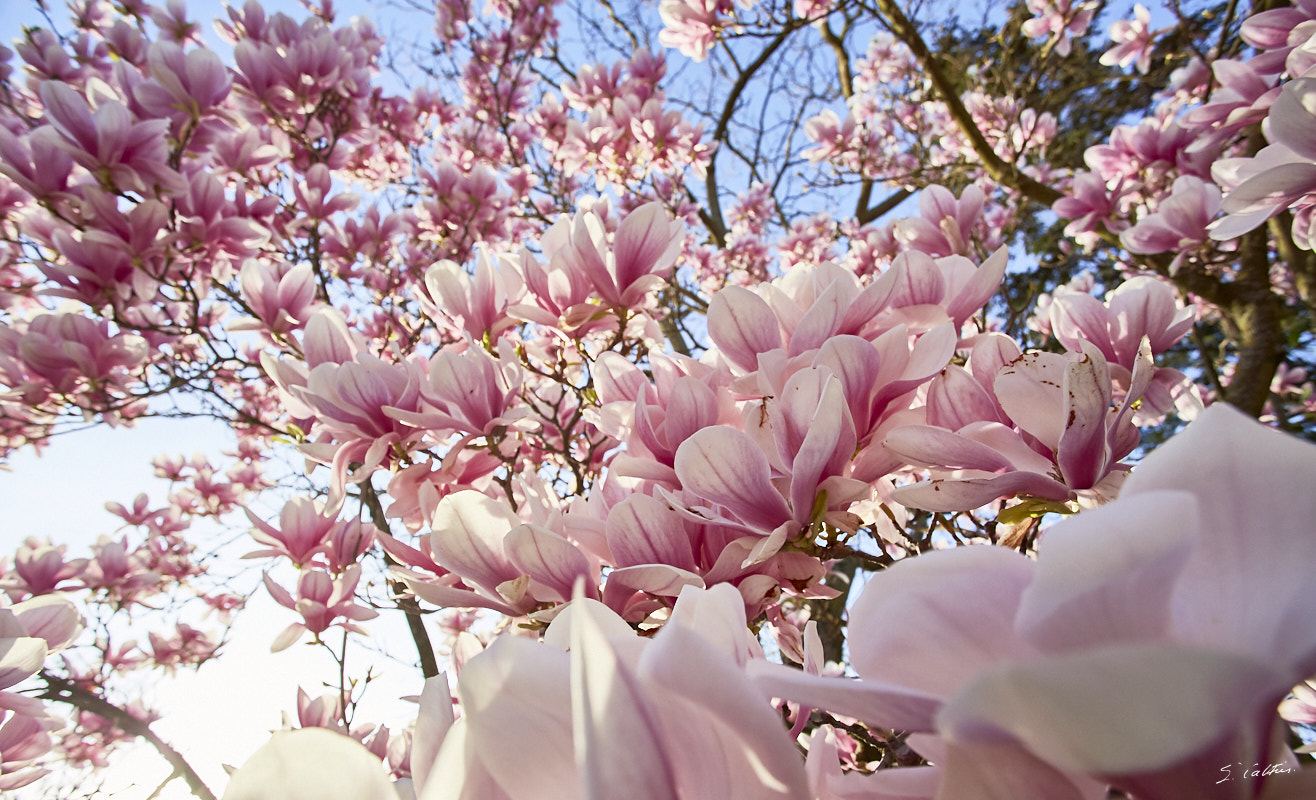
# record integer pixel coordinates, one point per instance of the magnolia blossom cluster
(1128, 655)
(1164, 184)
(623, 453)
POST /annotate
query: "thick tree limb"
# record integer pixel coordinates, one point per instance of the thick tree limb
(66, 691)
(1000, 170)
(429, 665)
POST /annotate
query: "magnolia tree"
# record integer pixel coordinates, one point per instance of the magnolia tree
(695, 460)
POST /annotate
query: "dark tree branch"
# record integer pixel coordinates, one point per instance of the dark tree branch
(66, 691)
(1000, 170)
(867, 214)
(429, 665)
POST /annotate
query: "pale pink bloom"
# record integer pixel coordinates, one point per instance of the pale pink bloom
(509, 566)
(1180, 222)
(30, 631)
(1133, 40)
(809, 438)
(323, 600)
(469, 392)
(617, 716)
(325, 711)
(36, 162)
(926, 293)
(1244, 96)
(1153, 146)
(117, 570)
(832, 136)
(693, 26)
(1289, 380)
(1070, 437)
(1281, 176)
(23, 740)
(139, 514)
(70, 351)
(639, 258)
(302, 533)
(311, 764)
(1138, 308)
(188, 647)
(1060, 21)
(188, 84)
(1091, 205)
(356, 403)
(813, 9)
(1130, 654)
(946, 225)
(349, 540)
(477, 303)
(40, 568)
(281, 301)
(134, 154)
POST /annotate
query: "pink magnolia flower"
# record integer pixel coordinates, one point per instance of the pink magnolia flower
(23, 740)
(323, 600)
(945, 226)
(280, 301)
(302, 533)
(476, 303)
(40, 568)
(133, 155)
(617, 716)
(1281, 176)
(1133, 40)
(692, 26)
(504, 564)
(311, 764)
(1139, 308)
(182, 84)
(1059, 21)
(70, 350)
(188, 647)
(469, 392)
(805, 435)
(1128, 655)
(1090, 206)
(1180, 222)
(1069, 436)
(325, 711)
(117, 570)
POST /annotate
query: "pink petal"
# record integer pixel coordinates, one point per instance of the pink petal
(549, 559)
(933, 622)
(1144, 707)
(618, 738)
(726, 740)
(725, 466)
(468, 531)
(644, 530)
(1083, 454)
(964, 494)
(434, 718)
(1030, 390)
(311, 764)
(877, 703)
(1107, 575)
(742, 326)
(1247, 587)
(516, 698)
